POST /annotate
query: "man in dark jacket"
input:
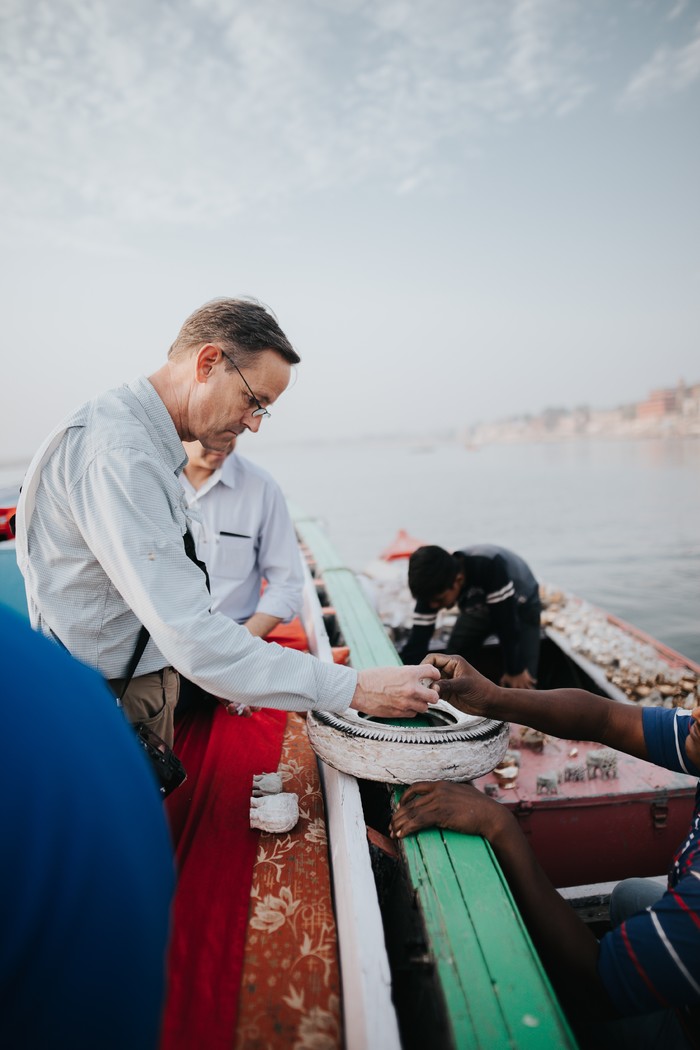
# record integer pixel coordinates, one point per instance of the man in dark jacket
(496, 593)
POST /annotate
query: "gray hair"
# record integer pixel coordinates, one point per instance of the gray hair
(243, 327)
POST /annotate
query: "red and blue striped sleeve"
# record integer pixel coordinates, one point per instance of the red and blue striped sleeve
(652, 960)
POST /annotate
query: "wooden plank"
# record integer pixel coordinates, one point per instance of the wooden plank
(312, 618)
(369, 1016)
(359, 623)
(496, 991)
(368, 1011)
(444, 917)
(528, 1004)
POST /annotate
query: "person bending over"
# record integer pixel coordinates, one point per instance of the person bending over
(640, 985)
(102, 531)
(244, 535)
(496, 593)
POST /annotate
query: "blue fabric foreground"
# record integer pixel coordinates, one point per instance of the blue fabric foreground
(87, 875)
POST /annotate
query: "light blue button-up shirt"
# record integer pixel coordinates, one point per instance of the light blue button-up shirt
(103, 553)
(244, 535)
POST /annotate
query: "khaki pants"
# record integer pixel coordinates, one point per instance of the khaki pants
(151, 699)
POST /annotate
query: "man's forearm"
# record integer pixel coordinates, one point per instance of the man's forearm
(574, 714)
(260, 624)
(568, 948)
(570, 713)
(561, 712)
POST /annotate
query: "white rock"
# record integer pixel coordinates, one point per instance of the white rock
(267, 784)
(275, 813)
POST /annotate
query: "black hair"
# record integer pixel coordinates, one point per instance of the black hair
(431, 570)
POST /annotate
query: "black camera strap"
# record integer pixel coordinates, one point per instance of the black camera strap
(141, 643)
(144, 633)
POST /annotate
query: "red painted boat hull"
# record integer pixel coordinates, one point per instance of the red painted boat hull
(598, 830)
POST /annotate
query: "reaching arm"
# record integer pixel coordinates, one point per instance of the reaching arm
(569, 713)
(260, 624)
(567, 947)
(395, 692)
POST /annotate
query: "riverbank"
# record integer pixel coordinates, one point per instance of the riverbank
(669, 413)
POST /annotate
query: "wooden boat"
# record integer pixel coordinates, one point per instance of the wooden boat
(432, 948)
(588, 833)
(585, 827)
(438, 973)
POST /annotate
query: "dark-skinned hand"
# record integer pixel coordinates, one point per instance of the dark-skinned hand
(461, 685)
(445, 804)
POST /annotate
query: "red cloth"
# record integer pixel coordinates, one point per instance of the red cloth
(215, 851)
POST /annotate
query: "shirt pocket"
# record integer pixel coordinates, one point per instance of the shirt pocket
(231, 557)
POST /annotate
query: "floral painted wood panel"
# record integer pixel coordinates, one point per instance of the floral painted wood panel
(290, 991)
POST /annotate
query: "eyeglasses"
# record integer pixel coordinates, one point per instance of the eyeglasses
(260, 412)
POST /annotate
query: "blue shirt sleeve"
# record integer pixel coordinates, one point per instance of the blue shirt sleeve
(652, 961)
(665, 733)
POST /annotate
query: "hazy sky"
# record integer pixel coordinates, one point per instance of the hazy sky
(458, 209)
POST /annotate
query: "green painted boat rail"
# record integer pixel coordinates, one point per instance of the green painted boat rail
(496, 991)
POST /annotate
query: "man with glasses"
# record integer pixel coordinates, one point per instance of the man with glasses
(101, 522)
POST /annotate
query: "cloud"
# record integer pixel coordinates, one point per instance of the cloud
(677, 10)
(195, 111)
(669, 71)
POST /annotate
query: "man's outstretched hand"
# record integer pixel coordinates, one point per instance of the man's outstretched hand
(395, 692)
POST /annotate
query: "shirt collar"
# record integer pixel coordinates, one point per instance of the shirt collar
(195, 494)
(159, 422)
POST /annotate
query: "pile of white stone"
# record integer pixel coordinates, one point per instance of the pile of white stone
(632, 665)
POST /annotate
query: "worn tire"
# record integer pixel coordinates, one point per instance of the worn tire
(455, 746)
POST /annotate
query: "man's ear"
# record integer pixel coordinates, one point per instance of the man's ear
(205, 360)
(459, 578)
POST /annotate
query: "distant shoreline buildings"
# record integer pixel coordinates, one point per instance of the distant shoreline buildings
(671, 412)
(667, 413)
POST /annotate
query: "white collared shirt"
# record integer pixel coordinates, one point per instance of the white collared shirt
(244, 534)
(103, 553)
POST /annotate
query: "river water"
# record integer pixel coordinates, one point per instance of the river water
(615, 522)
